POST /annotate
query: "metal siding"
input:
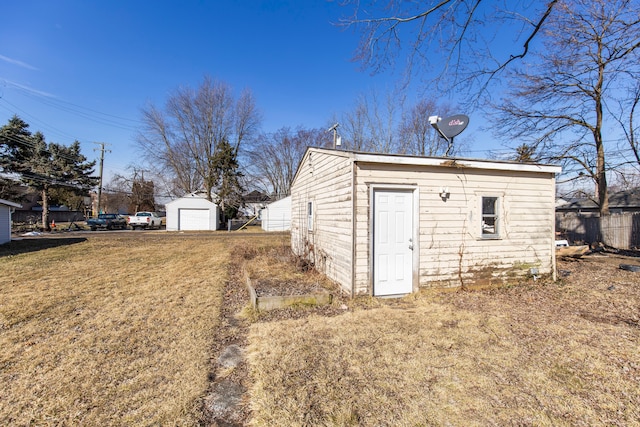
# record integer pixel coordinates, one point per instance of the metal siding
(5, 224)
(277, 215)
(173, 211)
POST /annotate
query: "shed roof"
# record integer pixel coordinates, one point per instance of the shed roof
(8, 203)
(256, 196)
(191, 196)
(451, 162)
(281, 201)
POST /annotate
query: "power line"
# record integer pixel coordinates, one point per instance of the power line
(35, 119)
(32, 144)
(126, 123)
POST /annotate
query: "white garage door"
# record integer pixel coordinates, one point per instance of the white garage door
(194, 219)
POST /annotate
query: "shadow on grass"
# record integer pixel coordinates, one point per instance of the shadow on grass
(17, 247)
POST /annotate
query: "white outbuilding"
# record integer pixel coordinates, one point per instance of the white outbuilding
(276, 216)
(6, 208)
(383, 224)
(192, 212)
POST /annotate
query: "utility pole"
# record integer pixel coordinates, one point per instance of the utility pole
(102, 150)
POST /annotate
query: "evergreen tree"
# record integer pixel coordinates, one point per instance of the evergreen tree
(9, 189)
(525, 153)
(43, 166)
(227, 183)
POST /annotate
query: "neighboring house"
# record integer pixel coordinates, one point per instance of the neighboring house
(389, 224)
(253, 202)
(56, 213)
(579, 222)
(192, 212)
(30, 211)
(620, 202)
(6, 209)
(276, 216)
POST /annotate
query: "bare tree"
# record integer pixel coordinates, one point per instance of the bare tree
(629, 180)
(169, 156)
(184, 137)
(353, 127)
(372, 124)
(417, 136)
(558, 101)
(276, 156)
(625, 115)
(117, 195)
(453, 30)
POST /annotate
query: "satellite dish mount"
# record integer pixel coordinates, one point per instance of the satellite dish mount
(449, 127)
(337, 140)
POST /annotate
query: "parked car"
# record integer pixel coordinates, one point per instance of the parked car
(145, 220)
(107, 221)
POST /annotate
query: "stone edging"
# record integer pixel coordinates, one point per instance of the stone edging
(280, 301)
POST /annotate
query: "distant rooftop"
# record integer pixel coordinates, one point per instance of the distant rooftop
(628, 199)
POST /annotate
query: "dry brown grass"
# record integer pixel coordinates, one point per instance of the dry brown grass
(118, 329)
(114, 329)
(275, 270)
(543, 354)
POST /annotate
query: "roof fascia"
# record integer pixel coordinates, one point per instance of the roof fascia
(454, 162)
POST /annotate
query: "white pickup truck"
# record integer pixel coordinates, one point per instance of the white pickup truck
(145, 220)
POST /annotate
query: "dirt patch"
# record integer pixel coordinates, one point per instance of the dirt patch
(224, 406)
(275, 287)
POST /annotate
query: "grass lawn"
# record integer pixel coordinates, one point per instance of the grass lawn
(536, 354)
(112, 329)
(119, 329)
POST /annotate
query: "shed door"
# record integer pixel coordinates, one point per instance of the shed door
(194, 219)
(392, 242)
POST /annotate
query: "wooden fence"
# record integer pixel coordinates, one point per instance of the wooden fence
(34, 217)
(621, 231)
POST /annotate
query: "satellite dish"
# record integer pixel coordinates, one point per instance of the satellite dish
(453, 126)
(449, 127)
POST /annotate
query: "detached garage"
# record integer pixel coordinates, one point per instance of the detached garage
(390, 224)
(6, 208)
(192, 212)
(277, 215)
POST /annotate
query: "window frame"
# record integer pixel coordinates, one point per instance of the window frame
(310, 212)
(496, 215)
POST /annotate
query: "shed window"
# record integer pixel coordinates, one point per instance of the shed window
(310, 216)
(490, 216)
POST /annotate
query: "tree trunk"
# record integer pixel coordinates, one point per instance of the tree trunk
(45, 209)
(603, 196)
(601, 178)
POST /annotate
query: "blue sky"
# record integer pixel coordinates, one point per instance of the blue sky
(82, 70)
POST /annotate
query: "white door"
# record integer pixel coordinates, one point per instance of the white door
(194, 219)
(392, 242)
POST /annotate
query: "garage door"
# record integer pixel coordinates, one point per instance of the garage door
(194, 219)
